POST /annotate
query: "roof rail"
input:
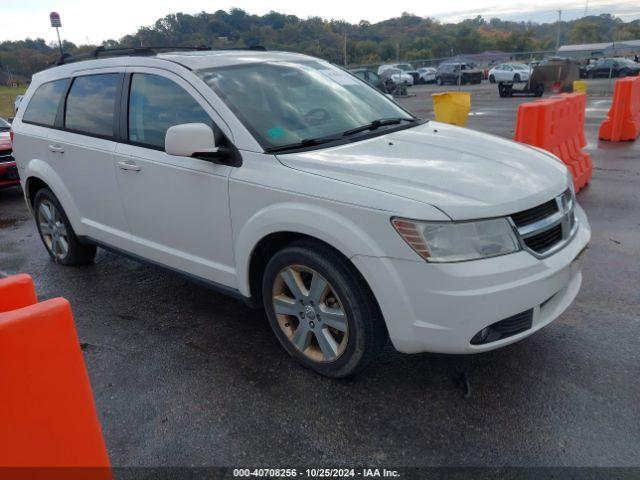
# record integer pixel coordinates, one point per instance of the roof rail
(102, 52)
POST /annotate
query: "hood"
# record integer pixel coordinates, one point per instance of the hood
(465, 174)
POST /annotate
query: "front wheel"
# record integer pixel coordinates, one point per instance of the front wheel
(56, 232)
(320, 309)
(516, 78)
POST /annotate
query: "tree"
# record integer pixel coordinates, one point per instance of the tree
(584, 31)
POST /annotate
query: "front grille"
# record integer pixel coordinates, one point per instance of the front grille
(532, 215)
(545, 228)
(544, 241)
(6, 156)
(514, 325)
(504, 328)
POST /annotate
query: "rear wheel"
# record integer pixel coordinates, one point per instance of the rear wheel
(439, 80)
(321, 310)
(56, 232)
(492, 79)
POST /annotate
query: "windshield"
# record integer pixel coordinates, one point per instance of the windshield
(520, 66)
(405, 67)
(284, 103)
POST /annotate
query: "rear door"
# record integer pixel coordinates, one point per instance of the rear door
(33, 126)
(177, 208)
(83, 153)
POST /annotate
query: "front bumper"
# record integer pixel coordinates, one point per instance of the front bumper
(431, 307)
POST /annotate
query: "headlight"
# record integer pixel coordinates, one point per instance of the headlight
(458, 241)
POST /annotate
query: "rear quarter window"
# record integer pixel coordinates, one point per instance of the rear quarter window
(43, 106)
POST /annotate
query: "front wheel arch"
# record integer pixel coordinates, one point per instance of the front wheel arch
(271, 244)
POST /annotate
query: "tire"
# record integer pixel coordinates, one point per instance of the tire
(516, 78)
(492, 79)
(56, 232)
(439, 80)
(360, 331)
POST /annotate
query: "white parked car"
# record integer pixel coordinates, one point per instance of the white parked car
(397, 76)
(403, 67)
(427, 74)
(314, 196)
(510, 72)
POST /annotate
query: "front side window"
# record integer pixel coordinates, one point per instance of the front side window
(43, 107)
(286, 103)
(157, 103)
(91, 104)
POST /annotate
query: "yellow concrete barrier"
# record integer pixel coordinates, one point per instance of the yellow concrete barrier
(452, 107)
(579, 86)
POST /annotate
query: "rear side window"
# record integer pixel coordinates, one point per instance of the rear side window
(91, 104)
(155, 104)
(43, 106)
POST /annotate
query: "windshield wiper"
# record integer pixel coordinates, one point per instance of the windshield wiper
(377, 124)
(307, 142)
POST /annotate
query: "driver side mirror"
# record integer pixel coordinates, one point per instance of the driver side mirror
(198, 141)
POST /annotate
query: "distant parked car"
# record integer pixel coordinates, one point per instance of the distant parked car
(510, 72)
(8, 170)
(427, 75)
(458, 73)
(371, 77)
(405, 67)
(16, 103)
(616, 67)
(397, 76)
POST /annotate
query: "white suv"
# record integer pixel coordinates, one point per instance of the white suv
(287, 182)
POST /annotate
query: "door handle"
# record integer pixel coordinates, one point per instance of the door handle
(129, 166)
(56, 148)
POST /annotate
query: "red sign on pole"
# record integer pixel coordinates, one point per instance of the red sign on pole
(55, 19)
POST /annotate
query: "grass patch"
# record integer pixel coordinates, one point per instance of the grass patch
(7, 97)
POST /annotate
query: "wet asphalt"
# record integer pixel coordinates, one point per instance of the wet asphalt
(183, 376)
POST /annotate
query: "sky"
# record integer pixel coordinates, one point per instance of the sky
(90, 21)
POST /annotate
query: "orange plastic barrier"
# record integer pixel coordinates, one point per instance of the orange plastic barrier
(16, 291)
(556, 124)
(623, 120)
(47, 415)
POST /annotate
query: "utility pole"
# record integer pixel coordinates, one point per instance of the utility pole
(397, 52)
(558, 37)
(586, 7)
(344, 48)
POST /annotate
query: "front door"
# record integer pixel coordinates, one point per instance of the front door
(177, 208)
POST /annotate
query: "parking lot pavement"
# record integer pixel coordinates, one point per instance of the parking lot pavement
(184, 376)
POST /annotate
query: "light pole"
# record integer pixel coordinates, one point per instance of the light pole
(558, 37)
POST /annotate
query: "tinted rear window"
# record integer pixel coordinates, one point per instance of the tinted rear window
(43, 106)
(91, 104)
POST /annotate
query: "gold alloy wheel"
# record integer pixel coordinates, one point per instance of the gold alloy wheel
(310, 313)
